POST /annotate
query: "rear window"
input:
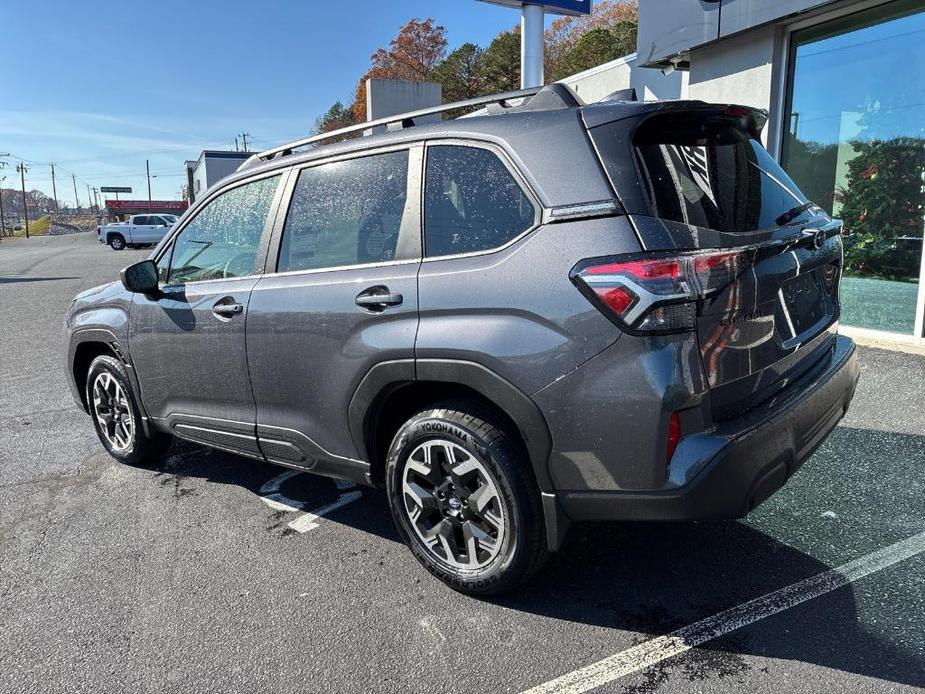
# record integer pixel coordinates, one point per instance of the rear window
(709, 173)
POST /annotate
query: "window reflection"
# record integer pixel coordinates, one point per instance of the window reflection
(856, 147)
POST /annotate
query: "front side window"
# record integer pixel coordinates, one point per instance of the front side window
(471, 202)
(346, 213)
(222, 240)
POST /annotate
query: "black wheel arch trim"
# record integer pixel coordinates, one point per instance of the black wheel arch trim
(384, 377)
(111, 341)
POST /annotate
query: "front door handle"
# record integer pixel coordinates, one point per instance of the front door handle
(378, 298)
(227, 307)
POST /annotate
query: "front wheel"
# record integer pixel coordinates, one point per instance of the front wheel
(116, 416)
(464, 499)
(116, 242)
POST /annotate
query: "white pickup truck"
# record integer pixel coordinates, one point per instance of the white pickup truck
(139, 230)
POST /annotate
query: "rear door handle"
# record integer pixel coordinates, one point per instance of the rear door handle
(227, 307)
(378, 298)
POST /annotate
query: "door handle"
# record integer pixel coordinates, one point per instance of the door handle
(378, 298)
(227, 307)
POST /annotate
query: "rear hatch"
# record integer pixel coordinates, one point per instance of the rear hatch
(763, 262)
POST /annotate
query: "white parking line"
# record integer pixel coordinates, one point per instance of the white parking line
(303, 524)
(663, 647)
(272, 497)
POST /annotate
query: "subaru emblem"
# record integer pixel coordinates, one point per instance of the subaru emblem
(819, 239)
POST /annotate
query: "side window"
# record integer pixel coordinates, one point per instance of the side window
(141, 221)
(223, 238)
(346, 213)
(163, 266)
(471, 202)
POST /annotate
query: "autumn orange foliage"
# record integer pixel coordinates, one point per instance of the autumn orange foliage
(412, 55)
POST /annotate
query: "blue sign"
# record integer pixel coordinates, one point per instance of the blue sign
(570, 7)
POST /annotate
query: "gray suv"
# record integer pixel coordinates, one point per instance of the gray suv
(542, 313)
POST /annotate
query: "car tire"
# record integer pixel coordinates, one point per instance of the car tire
(116, 242)
(116, 417)
(457, 481)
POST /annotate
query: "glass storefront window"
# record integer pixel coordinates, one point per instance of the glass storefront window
(855, 144)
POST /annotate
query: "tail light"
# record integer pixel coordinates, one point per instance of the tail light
(656, 294)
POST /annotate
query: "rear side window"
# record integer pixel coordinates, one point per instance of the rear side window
(141, 221)
(346, 213)
(471, 202)
(710, 173)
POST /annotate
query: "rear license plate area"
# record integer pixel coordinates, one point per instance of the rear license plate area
(803, 303)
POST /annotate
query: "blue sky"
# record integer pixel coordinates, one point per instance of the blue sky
(104, 85)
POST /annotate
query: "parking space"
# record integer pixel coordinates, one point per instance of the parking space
(217, 573)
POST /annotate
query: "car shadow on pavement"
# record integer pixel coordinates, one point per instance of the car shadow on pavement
(655, 578)
(647, 578)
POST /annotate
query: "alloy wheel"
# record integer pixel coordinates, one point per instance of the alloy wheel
(453, 504)
(113, 412)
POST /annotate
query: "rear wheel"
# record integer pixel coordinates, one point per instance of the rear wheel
(464, 500)
(116, 242)
(116, 416)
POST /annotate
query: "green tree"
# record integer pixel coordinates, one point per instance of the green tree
(500, 63)
(336, 117)
(594, 48)
(883, 200)
(617, 16)
(460, 73)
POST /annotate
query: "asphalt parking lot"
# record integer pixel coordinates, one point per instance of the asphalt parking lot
(216, 574)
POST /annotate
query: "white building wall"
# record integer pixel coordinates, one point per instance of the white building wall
(390, 97)
(598, 82)
(737, 70)
(200, 182)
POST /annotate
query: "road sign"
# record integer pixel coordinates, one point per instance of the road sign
(115, 189)
(571, 7)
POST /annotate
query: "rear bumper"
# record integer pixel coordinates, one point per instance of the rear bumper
(744, 460)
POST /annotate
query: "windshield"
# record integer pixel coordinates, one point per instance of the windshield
(714, 176)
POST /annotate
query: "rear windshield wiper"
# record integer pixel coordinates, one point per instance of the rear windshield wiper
(793, 213)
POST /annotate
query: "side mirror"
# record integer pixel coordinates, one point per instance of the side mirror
(140, 278)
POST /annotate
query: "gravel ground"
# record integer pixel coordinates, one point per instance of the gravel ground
(180, 579)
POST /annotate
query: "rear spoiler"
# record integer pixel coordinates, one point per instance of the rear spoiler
(749, 118)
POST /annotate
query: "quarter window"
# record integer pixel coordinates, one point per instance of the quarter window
(471, 202)
(346, 213)
(223, 238)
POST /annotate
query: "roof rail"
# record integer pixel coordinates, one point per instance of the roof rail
(406, 120)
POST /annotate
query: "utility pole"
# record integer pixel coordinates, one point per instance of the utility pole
(54, 191)
(2, 179)
(25, 210)
(89, 198)
(2, 218)
(148, 172)
(76, 199)
(236, 148)
(244, 137)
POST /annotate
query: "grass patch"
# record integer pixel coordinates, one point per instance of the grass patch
(37, 227)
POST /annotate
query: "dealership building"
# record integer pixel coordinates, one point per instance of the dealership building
(844, 84)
